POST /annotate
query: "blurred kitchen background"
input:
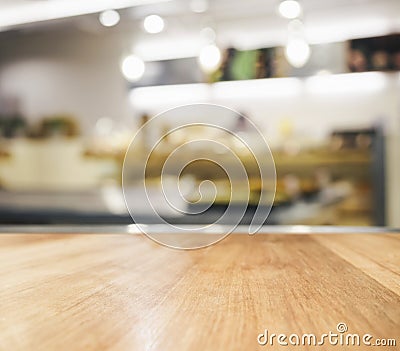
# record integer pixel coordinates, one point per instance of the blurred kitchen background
(320, 78)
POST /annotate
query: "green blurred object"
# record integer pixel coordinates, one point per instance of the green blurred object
(244, 65)
(58, 125)
(13, 126)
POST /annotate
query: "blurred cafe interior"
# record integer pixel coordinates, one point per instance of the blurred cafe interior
(320, 80)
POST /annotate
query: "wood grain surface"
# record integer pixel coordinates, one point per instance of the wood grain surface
(125, 292)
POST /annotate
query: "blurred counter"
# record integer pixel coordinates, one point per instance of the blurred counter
(52, 164)
(61, 180)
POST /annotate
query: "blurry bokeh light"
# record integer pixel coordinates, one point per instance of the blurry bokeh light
(210, 58)
(109, 18)
(199, 6)
(290, 9)
(153, 24)
(297, 52)
(133, 68)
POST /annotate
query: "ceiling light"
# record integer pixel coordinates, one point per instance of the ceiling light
(199, 6)
(153, 24)
(109, 18)
(297, 49)
(297, 52)
(210, 58)
(290, 9)
(133, 68)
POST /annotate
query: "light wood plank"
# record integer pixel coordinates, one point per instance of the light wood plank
(125, 292)
(380, 259)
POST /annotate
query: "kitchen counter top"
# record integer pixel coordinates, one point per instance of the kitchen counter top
(110, 290)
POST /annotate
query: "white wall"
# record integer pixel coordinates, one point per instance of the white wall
(68, 73)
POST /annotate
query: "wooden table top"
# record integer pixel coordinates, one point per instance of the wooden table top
(125, 292)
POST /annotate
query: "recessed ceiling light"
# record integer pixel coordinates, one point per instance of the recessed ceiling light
(109, 18)
(199, 6)
(210, 58)
(297, 52)
(153, 24)
(133, 68)
(290, 9)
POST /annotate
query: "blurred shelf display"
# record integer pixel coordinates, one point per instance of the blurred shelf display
(340, 176)
(58, 125)
(344, 179)
(52, 164)
(14, 125)
(374, 54)
(358, 55)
